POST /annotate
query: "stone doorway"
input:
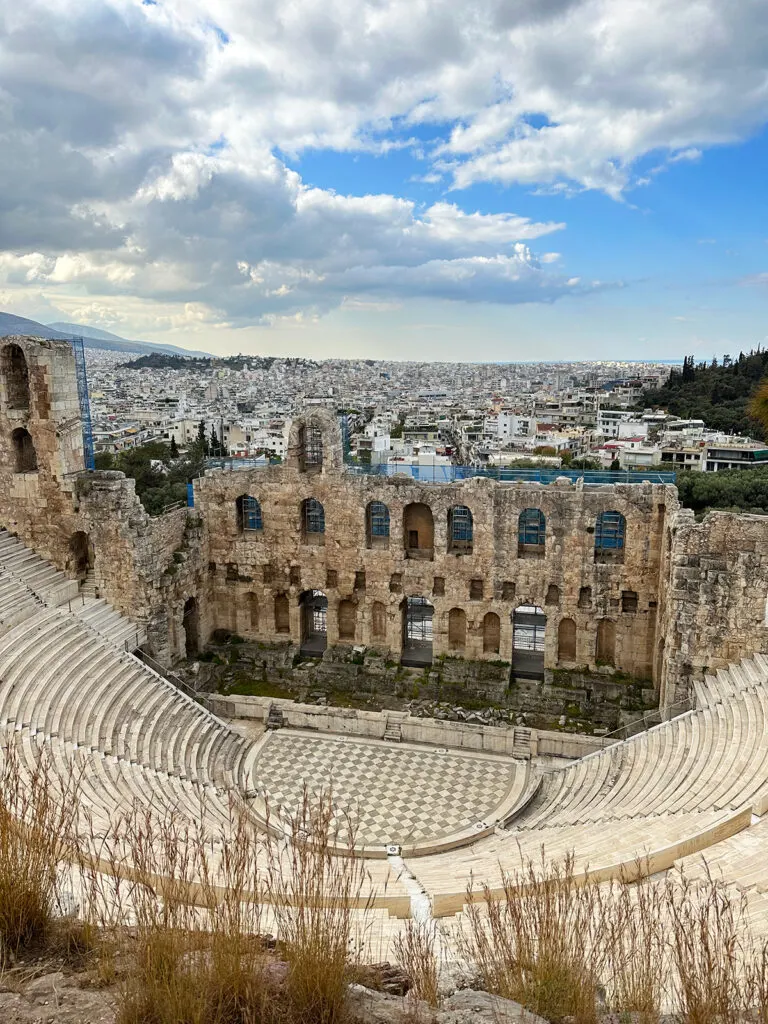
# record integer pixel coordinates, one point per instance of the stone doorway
(528, 627)
(314, 623)
(80, 554)
(191, 626)
(417, 631)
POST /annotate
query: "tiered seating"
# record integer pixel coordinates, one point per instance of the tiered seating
(33, 572)
(17, 602)
(686, 785)
(100, 616)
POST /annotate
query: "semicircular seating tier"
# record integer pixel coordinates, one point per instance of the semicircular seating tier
(698, 782)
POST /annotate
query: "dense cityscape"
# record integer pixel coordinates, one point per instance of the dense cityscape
(404, 415)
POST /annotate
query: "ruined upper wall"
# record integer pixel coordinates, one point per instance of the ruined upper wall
(716, 588)
(41, 441)
(497, 576)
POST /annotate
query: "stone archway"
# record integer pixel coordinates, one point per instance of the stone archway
(417, 615)
(80, 554)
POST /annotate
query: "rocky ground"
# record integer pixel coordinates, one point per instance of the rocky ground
(66, 997)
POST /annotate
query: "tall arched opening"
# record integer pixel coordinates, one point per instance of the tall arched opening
(417, 615)
(418, 531)
(16, 376)
(24, 454)
(528, 626)
(491, 633)
(314, 623)
(80, 554)
(191, 628)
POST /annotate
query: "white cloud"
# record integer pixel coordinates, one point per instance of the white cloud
(142, 144)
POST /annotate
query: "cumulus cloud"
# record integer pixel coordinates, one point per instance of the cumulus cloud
(146, 146)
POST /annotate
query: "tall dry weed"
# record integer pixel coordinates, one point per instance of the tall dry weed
(416, 953)
(38, 823)
(318, 887)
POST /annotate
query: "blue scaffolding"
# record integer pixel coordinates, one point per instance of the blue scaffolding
(85, 405)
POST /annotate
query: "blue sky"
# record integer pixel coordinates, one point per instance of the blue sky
(570, 179)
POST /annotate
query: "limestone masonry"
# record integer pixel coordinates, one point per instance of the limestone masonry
(498, 576)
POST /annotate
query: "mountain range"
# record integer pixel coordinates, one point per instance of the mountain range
(92, 337)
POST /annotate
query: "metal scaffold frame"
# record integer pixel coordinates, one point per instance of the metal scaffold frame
(85, 406)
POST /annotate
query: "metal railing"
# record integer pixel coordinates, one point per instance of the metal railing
(449, 474)
(166, 673)
(173, 507)
(649, 721)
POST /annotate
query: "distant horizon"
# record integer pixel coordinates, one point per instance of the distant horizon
(379, 180)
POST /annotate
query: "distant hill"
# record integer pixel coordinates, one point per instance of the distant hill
(92, 336)
(114, 341)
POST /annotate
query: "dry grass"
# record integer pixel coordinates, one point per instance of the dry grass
(539, 944)
(416, 952)
(186, 912)
(38, 819)
(174, 919)
(314, 891)
(567, 950)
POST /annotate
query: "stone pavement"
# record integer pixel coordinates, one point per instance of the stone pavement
(398, 794)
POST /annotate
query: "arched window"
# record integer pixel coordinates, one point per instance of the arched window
(248, 514)
(460, 532)
(16, 374)
(346, 619)
(457, 629)
(377, 525)
(310, 448)
(491, 633)
(531, 533)
(313, 521)
(610, 535)
(418, 531)
(553, 595)
(282, 616)
(379, 620)
(605, 652)
(25, 456)
(566, 640)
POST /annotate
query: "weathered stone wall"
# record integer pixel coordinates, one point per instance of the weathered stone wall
(249, 569)
(38, 395)
(716, 609)
(685, 597)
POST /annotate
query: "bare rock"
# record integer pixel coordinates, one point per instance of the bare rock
(465, 1007)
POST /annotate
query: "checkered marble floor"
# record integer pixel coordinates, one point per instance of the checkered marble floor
(397, 794)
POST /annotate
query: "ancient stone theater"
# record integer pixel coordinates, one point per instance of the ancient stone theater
(490, 579)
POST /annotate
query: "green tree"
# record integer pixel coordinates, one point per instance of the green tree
(202, 440)
(174, 449)
(758, 405)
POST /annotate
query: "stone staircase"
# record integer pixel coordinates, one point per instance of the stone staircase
(88, 586)
(41, 580)
(392, 729)
(29, 583)
(521, 743)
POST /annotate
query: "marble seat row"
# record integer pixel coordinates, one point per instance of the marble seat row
(100, 616)
(42, 578)
(714, 757)
(60, 680)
